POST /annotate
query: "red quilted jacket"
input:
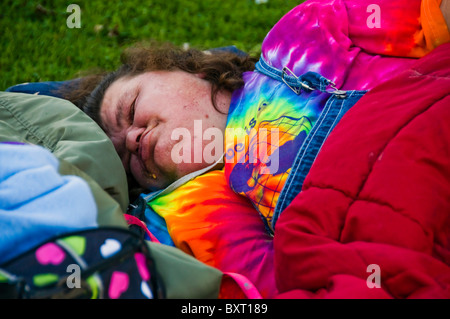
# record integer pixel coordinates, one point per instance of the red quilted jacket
(375, 207)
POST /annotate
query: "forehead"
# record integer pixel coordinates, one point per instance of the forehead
(127, 84)
(112, 99)
(115, 91)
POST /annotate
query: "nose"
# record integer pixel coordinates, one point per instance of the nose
(132, 139)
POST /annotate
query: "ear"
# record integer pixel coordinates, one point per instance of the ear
(445, 8)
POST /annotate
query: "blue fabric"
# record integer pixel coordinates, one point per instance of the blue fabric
(42, 88)
(36, 203)
(230, 48)
(338, 103)
(157, 226)
(334, 110)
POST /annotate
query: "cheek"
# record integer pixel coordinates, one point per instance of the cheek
(186, 154)
(168, 151)
(119, 145)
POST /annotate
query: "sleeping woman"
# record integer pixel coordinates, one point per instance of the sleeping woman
(167, 110)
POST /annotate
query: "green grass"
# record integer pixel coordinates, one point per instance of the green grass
(36, 44)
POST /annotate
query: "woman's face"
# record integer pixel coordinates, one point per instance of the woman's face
(144, 115)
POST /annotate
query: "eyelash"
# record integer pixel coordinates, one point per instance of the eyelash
(132, 111)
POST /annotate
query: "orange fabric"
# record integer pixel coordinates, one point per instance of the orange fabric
(434, 30)
(207, 220)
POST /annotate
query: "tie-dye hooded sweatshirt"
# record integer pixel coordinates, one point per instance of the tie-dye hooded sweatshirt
(344, 41)
(357, 44)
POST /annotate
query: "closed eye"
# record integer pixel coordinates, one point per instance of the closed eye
(132, 111)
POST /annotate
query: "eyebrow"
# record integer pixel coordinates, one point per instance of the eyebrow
(119, 109)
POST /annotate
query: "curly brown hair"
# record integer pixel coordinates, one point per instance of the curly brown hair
(223, 69)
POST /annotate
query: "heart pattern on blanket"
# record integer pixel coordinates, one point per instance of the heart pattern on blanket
(110, 247)
(96, 258)
(146, 291)
(50, 254)
(118, 285)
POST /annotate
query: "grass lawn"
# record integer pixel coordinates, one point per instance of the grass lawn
(37, 45)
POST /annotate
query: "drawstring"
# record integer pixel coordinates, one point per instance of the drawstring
(132, 220)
